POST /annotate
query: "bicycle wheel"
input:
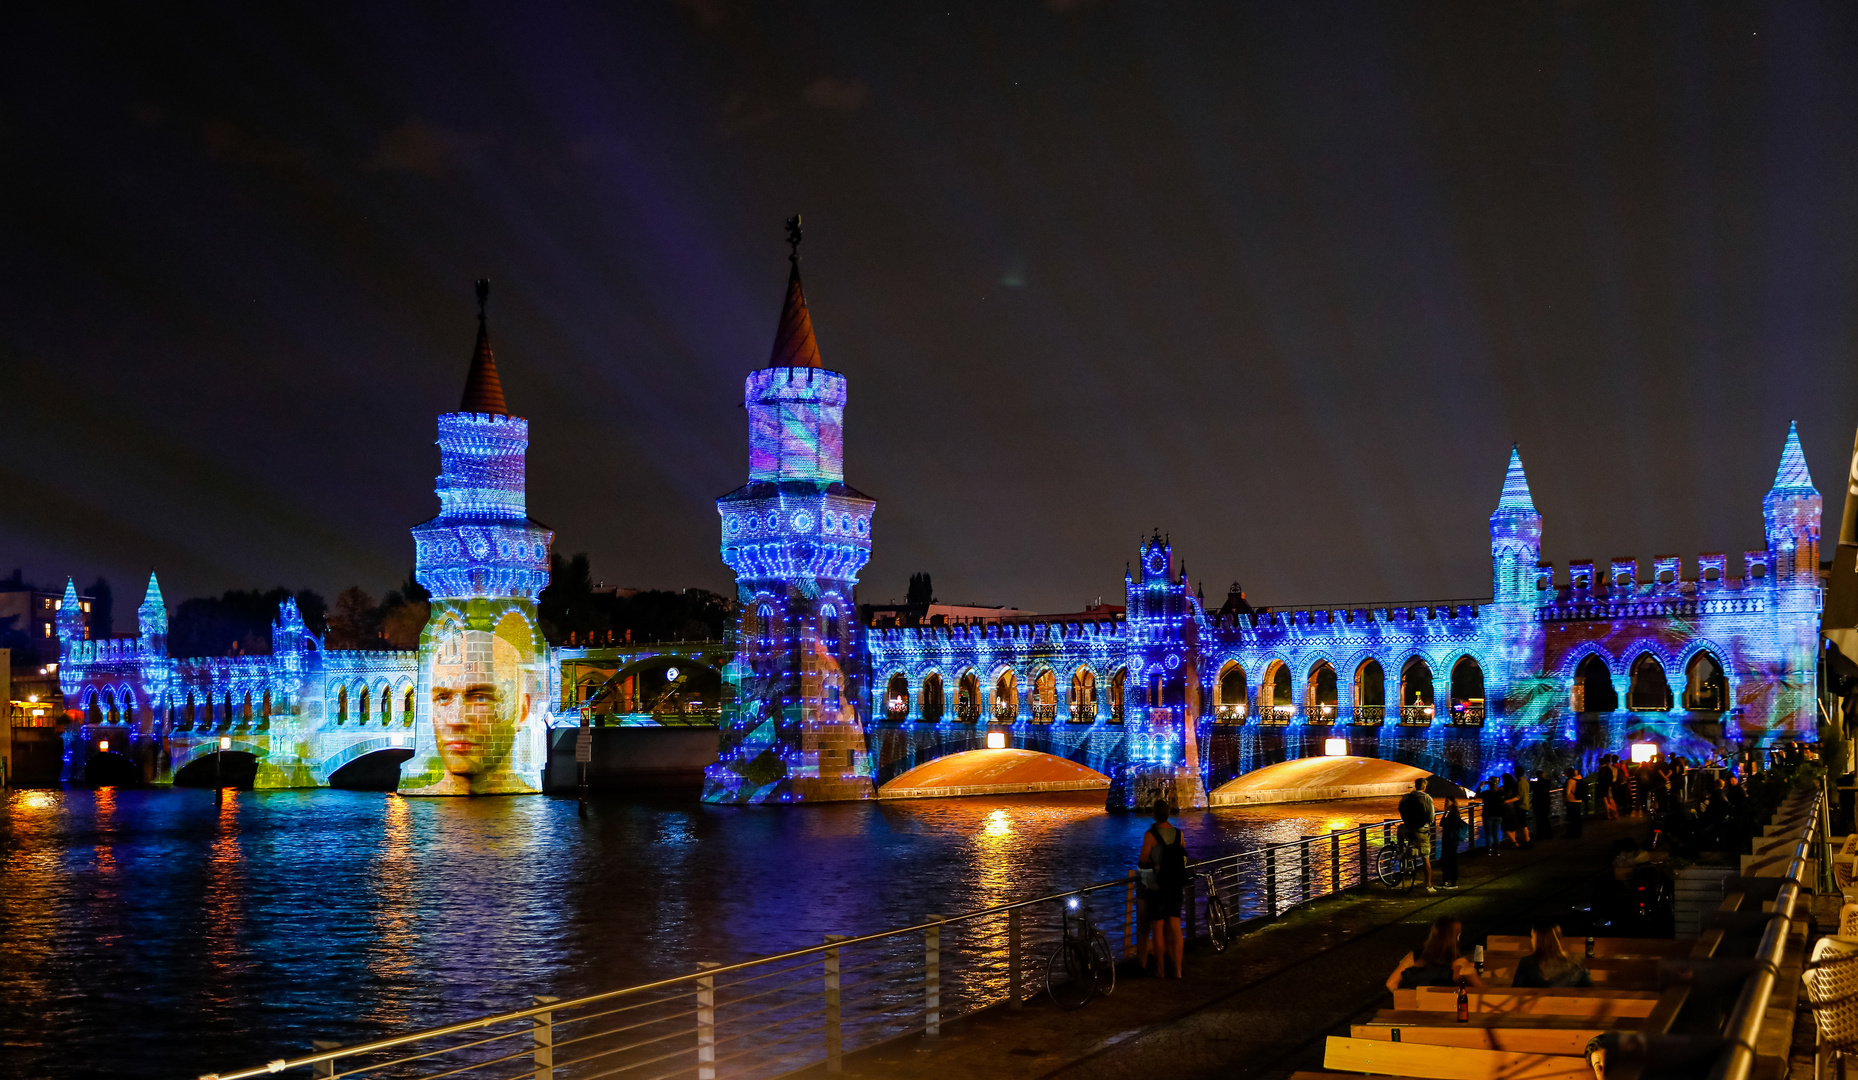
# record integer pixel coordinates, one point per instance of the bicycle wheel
(1390, 866)
(1068, 978)
(1102, 964)
(1217, 929)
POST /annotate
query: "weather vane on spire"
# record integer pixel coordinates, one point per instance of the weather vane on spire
(483, 296)
(793, 239)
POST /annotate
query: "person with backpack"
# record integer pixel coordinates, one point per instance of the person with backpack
(1416, 825)
(1163, 867)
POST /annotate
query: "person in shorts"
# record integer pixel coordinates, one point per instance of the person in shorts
(1416, 817)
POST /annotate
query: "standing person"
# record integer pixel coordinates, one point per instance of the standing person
(1513, 820)
(1608, 805)
(1452, 830)
(1541, 788)
(1492, 800)
(1574, 797)
(1436, 963)
(1165, 853)
(1416, 825)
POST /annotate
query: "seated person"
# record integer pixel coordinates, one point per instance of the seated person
(1436, 963)
(1548, 964)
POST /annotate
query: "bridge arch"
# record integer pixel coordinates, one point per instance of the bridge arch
(213, 767)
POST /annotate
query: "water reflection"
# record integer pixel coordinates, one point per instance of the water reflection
(247, 929)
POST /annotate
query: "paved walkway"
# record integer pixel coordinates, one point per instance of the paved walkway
(1262, 1008)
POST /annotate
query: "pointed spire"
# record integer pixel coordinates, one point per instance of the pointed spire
(483, 391)
(1792, 474)
(1516, 486)
(71, 614)
(794, 345)
(152, 615)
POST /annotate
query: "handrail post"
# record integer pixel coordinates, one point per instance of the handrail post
(1270, 881)
(1362, 873)
(1193, 889)
(1012, 959)
(932, 977)
(323, 1068)
(1335, 860)
(1129, 919)
(706, 1022)
(1303, 860)
(544, 1039)
(834, 1041)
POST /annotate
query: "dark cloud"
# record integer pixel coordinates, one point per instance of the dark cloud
(421, 147)
(839, 95)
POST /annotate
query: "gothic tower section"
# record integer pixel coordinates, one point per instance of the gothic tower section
(1164, 624)
(1517, 643)
(1791, 511)
(481, 706)
(796, 536)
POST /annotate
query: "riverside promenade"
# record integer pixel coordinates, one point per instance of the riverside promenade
(1264, 1006)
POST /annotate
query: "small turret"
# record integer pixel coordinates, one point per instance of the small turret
(1515, 538)
(1792, 510)
(152, 616)
(71, 622)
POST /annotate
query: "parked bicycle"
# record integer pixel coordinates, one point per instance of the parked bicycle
(1400, 864)
(1082, 963)
(1218, 929)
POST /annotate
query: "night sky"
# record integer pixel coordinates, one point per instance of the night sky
(1284, 280)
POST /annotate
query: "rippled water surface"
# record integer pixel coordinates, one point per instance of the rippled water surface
(152, 933)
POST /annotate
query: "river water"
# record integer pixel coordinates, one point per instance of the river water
(154, 933)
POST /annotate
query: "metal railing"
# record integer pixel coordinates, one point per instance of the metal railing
(1745, 1022)
(774, 1014)
(1370, 714)
(1416, 715)
(1044, 714)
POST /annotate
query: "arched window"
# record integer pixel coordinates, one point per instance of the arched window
(1370, 692)
(1467, 692)
(361, 714)
(1044, 697)
(264, 704)
(1319, 697)
(1593, 687)
(341, 705)
(1705, 688)
(1083, 696)
(189, 717)
(245, 710)
(1650, 692)
(386, 698)
(932, 699)
(1006, 696)
(1230, 702)
(1118, 686)
(763, 633)
(897, 697)
(105, 707)
(1416, 692)
(968, 700)
(1274, 704)
(406, 709)
(829, 626)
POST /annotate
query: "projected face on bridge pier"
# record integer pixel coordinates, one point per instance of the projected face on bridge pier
(480, 699)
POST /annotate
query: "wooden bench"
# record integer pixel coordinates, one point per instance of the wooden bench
(1518, 944)
(1439, 1062)
(1560, 1039)
(1566, 1002)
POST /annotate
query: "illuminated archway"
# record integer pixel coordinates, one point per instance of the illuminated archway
(1319, 697)
(1370, 692)
(993, 772)
(932, 699)
(1649, 692)
(1083, 701)
(1705, 688)
(1229, 698)
(897, 696)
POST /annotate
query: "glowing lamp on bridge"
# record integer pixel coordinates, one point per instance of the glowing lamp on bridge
(225, 742)
(1335, 747)
(103, 746)
(396, 739)
(1643, 752)
(996, 740)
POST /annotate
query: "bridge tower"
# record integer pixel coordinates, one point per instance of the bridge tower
(1791, 512)
(796, 536)
(1512, 686)
(485, 561)
(1161, 758)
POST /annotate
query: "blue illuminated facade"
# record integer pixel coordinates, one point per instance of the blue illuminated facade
(1165, 696)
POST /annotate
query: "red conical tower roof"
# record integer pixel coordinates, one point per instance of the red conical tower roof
(483, 392)
(793, 339)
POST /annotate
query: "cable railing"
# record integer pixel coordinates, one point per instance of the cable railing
(774, 1014)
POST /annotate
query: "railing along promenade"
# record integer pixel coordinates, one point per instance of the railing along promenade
(774, 1014)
